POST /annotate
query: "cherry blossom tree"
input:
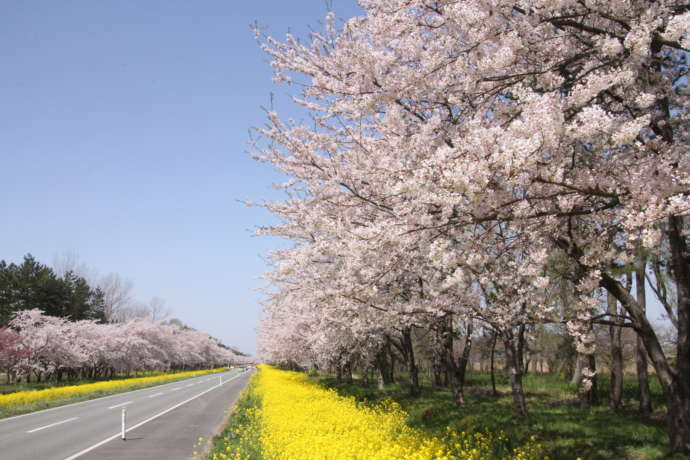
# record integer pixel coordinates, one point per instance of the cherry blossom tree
(50, 347)
(434, 124)
(12, 351)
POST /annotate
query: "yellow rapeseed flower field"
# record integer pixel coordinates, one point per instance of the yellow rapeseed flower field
(299, 420)
(25, 398)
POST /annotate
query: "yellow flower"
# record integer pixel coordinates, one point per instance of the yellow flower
(22, 398)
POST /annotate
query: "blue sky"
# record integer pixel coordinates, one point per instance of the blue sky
(123, 139)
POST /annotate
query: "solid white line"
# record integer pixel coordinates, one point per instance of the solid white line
(52, 424)
(155, 387)
(117, 435)
(154, 395)
(120, 405)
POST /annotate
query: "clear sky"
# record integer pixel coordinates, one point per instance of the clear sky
(123, 139)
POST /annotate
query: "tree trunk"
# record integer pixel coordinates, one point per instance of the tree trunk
(458, 370)
(493, 369)
(436, 371)
(679, 416)
(675, 384)
(589, 397)
(616, 356)
(348, 372)
(461, 369)
(640, 354)
(383, 368)
(437, 358)
(513, 347)
(408, 353)
(577, 373)
(391, 353)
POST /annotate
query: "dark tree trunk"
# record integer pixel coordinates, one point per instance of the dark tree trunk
(437, 379)
(391, 354)
(365, 376)
(457, 370)
(640, 353)
(493, 369)
(408, 354)
(348, 372)
(437, 358)
(679, 416)
(616, 356)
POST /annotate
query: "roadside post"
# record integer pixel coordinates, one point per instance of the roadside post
(124, 418)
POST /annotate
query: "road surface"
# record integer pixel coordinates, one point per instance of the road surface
(163, 422)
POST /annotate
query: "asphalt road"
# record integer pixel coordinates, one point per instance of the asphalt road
(163, 422)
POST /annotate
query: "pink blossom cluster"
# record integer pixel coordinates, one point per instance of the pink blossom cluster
(454, 149)
(42, 345)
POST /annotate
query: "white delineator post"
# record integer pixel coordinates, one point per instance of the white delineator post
(220, 380)
(124, 418)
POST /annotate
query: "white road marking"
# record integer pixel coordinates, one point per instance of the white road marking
(120, 405)
(191, 384)
(89, 401)
(154, 395)
(175, 389)
(117, 435)
(52, 424)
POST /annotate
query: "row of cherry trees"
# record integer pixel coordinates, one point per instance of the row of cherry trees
(463, 162)
(49, 347)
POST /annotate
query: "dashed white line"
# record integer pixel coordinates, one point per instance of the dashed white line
(175, 389)
(117, 435)
(90, 401)
(52, 424)
(154, 395)
(120, 405)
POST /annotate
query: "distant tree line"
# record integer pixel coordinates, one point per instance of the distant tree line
(70, 290)
(31, 284)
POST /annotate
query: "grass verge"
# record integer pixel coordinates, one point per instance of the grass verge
(23, 402)
(240, 439)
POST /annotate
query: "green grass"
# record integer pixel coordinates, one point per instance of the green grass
(566, 430)
(241, 434)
